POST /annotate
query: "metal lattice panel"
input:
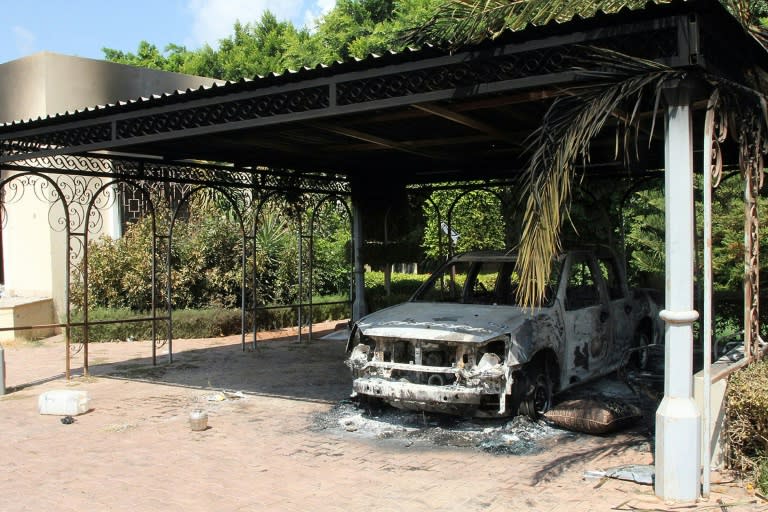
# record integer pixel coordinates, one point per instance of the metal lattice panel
(451, 76)
(74, 136)
(257, 179)
(301, 100)
(655, 44)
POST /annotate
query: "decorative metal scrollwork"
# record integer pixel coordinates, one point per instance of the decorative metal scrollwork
(716, 130)
(254, 178)
(752, 147)
(91, 134)
(651, 44)
(451, 76)
(75, 347)
(301, 100)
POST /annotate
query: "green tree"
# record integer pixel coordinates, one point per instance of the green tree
(256, 49)
(477, 222)
(332, 235)
(353, 28)
(147, 56)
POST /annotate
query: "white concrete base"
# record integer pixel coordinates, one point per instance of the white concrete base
(716, 417)
(23, 312)
(677, 477)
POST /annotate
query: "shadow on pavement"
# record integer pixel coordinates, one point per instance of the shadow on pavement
(281, 367)
(556, 467)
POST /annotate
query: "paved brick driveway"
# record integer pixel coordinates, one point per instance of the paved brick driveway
(135, 451)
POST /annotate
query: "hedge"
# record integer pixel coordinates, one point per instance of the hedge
(211, 322)
(200, 323)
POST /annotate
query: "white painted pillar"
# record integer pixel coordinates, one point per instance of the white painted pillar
(359, 307)
(678, 424)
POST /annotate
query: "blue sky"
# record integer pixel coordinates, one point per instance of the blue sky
(84, 27)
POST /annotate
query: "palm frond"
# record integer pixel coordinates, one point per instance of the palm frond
(460, 22)
(557, 146)
(750, 14)
(456, 23)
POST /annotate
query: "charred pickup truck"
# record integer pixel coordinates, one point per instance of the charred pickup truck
(461, 344)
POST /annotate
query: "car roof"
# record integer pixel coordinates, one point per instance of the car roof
(486, 256)
(504, 256)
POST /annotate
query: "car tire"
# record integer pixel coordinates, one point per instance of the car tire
(538, 395)
(640, 353)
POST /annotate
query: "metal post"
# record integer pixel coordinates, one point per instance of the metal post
(678, 423)
(169, 288)
(707, 320)
(299, 319)
(359, 307)
(2, 371)
(714, 135)
(243, 285)
(154, 288)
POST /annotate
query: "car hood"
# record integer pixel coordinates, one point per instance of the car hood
(465, 323)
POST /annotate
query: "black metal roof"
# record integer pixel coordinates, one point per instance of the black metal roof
(418, 115)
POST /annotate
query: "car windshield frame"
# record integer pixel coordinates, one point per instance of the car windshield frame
(473, 266)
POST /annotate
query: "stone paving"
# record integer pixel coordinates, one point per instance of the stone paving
(135, 450)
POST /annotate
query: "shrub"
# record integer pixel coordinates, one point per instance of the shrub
(400, 284)
(206, 261)
(747, 420)
(402, 287)
(200, 323)
(187, 323)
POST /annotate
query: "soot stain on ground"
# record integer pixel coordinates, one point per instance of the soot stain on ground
(506, 436)
(511, 436)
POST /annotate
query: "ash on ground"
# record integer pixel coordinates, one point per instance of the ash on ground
(511, 436)
(506, 436)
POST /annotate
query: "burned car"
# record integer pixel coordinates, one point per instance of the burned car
(462, 345)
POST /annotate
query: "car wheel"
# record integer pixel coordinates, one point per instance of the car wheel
(640, 352)
(538, 397)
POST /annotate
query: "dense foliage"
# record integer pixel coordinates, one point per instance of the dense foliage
(476, 222)
(353, 28)
(206, 261)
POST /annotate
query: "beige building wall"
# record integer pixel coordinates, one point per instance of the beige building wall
(44, 84)
(28, 247)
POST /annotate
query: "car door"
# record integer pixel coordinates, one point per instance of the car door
(620, 305)
(587, 318)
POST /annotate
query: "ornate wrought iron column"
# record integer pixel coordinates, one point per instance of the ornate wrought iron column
(678, 423)
(750, 138)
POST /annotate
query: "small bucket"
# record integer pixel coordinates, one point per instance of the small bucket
(198, 420)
